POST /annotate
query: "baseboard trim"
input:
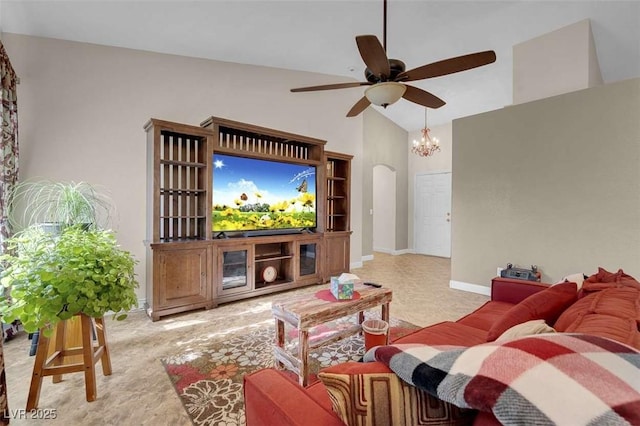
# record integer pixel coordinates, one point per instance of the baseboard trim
(367, 258)
(383, 250)
(391, 252)
(471, 288)
(141, 304)
(355, 265)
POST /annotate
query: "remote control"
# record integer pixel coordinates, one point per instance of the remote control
(373, 285)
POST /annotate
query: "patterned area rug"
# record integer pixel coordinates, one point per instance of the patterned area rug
(209, 381)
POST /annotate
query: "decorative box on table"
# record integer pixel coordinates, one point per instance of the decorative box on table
(342, 286)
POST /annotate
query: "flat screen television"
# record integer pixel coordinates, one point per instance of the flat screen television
(262, 196)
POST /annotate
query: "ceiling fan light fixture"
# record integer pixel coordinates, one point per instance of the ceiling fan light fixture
(386, 77)
(385, 93)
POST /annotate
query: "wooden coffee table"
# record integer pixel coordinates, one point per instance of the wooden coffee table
(307, 311)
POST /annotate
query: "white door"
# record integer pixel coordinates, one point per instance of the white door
(432, 214)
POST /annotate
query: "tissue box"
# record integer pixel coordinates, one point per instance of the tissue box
(342, 290)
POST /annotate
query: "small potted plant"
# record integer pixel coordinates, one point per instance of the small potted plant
(54, 277)
(55, 205)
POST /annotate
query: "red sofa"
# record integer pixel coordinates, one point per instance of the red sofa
(273, 398)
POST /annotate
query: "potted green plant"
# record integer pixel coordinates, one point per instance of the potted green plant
(54, 277)
(58, 204)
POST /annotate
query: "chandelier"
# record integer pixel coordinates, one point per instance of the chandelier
(427, 145)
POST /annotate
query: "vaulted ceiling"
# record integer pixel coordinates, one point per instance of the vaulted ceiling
(318, 36)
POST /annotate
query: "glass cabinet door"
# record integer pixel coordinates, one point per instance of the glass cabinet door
(234, 269)
(308, 259)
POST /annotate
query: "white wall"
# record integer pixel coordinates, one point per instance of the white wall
(559, 62)
(553, 182)
(385, 145)
(82, 108)
(384, 209)
(440, 162)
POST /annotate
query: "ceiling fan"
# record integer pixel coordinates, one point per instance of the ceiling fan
(387, 78)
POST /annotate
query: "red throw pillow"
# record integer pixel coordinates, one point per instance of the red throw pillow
(624, 276)
(621, 302)
(596, 281)
(623, 330)
(574, 311)
(604, 276)
(547, 305)
(622, 280)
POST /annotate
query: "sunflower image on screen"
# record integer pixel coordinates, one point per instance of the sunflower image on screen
(252, 194)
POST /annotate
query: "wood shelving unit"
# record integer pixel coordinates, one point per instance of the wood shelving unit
(236, 138)
(179, 173)
(278, 255)
(337, 213)
(338, 192)
(279, 251)
(187, 266)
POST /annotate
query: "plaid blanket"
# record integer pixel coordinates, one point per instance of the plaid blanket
(558, 378)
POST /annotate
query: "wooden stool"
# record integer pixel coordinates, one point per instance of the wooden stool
(54, 364)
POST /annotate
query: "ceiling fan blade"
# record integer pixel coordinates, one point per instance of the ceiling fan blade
(331, 86)
(373, 55)
(449, 66)
(422, 97)
(360, 106)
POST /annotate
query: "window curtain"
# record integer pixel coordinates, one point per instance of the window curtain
(8, 178)
(9, 143)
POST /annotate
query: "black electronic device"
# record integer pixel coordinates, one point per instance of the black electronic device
(373, 285)
(521, 273)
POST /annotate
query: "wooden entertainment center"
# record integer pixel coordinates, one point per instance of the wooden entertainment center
(191, 267)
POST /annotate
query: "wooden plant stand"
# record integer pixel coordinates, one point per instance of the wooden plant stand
(54, 364)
